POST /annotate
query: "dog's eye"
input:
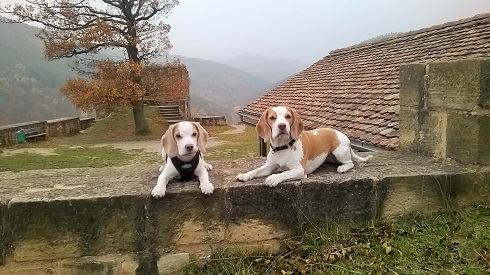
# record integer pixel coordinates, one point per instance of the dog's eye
(178, 136)
(194, 134)
(272, 118)
(288, 116)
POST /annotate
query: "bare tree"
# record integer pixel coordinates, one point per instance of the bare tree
(74, 28)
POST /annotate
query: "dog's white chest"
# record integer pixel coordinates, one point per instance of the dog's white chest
(289, 158)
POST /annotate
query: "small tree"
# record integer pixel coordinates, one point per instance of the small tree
(77, 27)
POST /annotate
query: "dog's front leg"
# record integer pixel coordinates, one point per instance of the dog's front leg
(293, 174)
(262, 171)
(168, 173)
(203, 176)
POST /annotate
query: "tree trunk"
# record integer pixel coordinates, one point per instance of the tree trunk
(141, 126)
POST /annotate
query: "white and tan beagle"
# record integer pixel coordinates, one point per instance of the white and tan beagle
(182, 144)
(295, 151)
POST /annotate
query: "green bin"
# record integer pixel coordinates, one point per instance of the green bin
(21, 136)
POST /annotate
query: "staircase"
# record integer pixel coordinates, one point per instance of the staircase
(171, 113)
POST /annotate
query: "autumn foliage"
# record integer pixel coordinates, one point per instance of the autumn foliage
(116, 84)
(169, 82)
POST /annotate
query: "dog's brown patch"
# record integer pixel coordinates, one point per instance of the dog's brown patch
(317, 142)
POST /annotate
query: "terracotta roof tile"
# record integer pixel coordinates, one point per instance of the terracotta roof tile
(355, 89)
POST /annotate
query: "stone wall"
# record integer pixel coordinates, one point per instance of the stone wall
(66, 126)
(104, 221)
(445, 110)
(210, 120)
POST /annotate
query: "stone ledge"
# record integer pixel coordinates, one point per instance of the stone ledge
(54, 215)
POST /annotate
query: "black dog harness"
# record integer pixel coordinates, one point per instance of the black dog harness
(186, 168)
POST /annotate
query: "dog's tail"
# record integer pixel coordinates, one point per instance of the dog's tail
(358, 158)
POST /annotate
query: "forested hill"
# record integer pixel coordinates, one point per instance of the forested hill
(29, 85)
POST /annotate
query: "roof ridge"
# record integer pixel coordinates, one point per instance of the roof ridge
(410, 33)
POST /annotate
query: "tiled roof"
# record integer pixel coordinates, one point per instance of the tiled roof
(355, 89)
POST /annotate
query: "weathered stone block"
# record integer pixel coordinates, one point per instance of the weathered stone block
(325, 201)
(409, 129)
(28, 271)
(253, 232)
(92, 267)
(186, 217)
(4, 238)
(107, 264)
(411, 194)
(471, 188)
(456, 85)
(172, 263)
(44, 230)
(412, 85)
(276, 206)
(432, 138)
(485, 84)
(468, 138)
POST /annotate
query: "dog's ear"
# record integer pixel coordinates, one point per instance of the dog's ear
(297, 126)
(168, 142)
(263, 128)
(202, 136)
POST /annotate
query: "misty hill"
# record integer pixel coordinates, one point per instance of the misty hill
(270, 69)
(216, 89)
(29, 85)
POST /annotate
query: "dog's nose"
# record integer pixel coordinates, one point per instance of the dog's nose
(282, 126)
(189, 147)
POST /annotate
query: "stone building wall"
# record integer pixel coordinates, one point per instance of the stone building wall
(445, 110)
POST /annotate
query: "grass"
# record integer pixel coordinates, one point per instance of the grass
(235, 146)
(447, 242)
(67, 157)
(119, 126)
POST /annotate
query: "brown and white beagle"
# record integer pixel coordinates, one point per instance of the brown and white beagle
(183, 144)
(295, 151)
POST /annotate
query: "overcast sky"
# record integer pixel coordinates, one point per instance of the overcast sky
(304, 30)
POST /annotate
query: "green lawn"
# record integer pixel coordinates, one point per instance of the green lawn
(67, 157)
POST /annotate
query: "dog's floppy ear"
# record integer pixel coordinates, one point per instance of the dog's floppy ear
(168, 142)
(202, 136)
(297, 126)
(263, 128)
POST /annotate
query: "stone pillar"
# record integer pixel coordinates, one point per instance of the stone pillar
(445, 110)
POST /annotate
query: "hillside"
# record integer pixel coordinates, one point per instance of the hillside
(216, 89)
(270, 69)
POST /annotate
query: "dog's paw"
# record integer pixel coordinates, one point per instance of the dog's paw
(243, 177)
(158, 191)
(344, 168)
(208, 166)
(273, 180)
(207, 188)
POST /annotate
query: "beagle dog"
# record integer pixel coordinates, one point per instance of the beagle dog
(182, 144)
(296, 151)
